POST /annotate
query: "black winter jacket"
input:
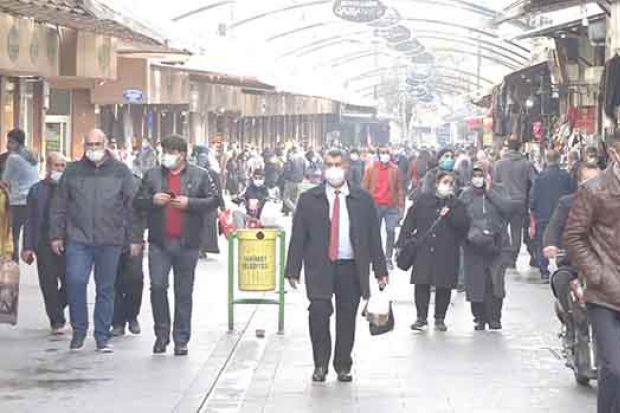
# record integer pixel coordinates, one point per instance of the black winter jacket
(93, 205)
(196, 185)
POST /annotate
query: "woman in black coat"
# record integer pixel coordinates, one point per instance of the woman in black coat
(488, 208)
(437, 259)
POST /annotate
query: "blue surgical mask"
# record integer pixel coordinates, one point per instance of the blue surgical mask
(447, 164)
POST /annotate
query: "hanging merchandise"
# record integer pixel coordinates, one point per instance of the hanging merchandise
(537, 130)
(610, 87)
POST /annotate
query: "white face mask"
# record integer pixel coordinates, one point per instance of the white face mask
(258, 182)
(169, 161)
(354, 157)
(477, 182)
(55, 175)
(444, 190)
(384, 158)
(95, 155)
(334, 176)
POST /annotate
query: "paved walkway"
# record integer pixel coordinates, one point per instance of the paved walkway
(516, 370)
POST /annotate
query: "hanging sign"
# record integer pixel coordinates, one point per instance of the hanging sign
(359, 11)
(390, 18)
(133, 96)
(394, 34)
(412, 45)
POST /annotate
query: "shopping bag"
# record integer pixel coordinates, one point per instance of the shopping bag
(227, 225)
(9, 291)
(376, 330)
(379, 314)
(271, 214)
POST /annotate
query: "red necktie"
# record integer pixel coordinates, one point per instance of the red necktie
(334, 235)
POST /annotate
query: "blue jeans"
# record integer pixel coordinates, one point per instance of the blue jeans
(80, 261)
(391, 216)
(606, 328)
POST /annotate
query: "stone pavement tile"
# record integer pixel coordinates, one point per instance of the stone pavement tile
(458, 371)
(38, 373)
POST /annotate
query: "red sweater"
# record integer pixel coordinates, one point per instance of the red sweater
(383, 195)
(174, 216)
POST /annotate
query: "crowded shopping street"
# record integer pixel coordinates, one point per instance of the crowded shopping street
(518, 370)
(270, 206)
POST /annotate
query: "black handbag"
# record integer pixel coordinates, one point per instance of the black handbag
(482, 236)
(406, 256)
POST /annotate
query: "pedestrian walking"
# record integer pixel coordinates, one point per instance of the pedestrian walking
(36, 243)
(446, 161)
(130, 276)
(517, 175)
(383, 181)
(21, 172)
(273, 170)
(487, 250)
(175, 197)
(356, 168)
(335, 238)
(210, 240)
(550, 185)
(233, 174)
(442, 217)
(591, 239)
(89, 224)
(294, 172)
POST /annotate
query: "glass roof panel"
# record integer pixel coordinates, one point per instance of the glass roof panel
(304, 47)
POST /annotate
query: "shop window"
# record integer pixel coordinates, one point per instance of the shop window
(60, 102)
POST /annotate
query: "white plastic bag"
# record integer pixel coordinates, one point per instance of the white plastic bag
(378, 308)
(271, 214)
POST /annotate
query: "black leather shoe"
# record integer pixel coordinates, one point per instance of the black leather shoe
(181, 350)
(319, 375)
(480, 326)
(160, 346)
(345, 376)
(495, 325)
(440, 326)
(419, 325)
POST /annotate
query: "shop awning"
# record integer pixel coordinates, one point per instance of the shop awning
(529, 72)
(557, 30)
(86, 15)
(521, 8)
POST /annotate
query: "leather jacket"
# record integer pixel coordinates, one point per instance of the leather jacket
(592, 238)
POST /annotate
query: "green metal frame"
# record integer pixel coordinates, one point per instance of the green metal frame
(231, 284)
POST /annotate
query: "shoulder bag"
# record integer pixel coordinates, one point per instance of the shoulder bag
(482, 236)
(406, 256)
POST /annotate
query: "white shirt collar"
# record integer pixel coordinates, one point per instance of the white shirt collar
(331, 191)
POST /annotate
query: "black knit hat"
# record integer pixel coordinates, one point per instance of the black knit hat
(443, 151)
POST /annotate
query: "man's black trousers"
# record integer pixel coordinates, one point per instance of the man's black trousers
(347, 291)
(52, 270)
(129, 286)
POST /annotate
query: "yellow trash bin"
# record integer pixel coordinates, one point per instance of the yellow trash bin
(257, 259)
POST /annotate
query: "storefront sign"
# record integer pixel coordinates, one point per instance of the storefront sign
(359, 11)
(133, 96)
(394, 34)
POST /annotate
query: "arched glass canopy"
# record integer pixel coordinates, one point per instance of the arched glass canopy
(451, 47)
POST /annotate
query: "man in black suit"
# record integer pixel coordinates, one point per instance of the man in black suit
(336, 238)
